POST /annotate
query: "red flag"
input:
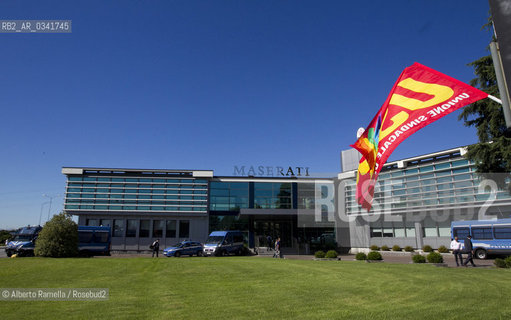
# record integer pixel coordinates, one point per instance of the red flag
(419, 97)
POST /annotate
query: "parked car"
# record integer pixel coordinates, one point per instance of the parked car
(189, 248)
(220, 243)
(23, 242)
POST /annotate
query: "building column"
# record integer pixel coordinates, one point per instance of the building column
(418, 235)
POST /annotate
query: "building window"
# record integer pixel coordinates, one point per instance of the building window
(157, 228)
(171, 229)
(399, 232)
(184, 228)
(411, 171)
(92, 222)
(426, 169)
(459, 163)
(105, 222)
(410, 231)
(376, 232)
(227, 196)
(444, 231)
(131, 229)
(388, 232)
(144, 228)
(272, 195)
(442, 166)
(430, 232)
(118, 228)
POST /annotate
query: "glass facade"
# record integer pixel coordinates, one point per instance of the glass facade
(233, 196)
(129, 193)
(171, 229)
(229, 196)
(232, 222)
(272, 195)
(429, 183)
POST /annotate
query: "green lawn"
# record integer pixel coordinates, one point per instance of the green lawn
(257, 288)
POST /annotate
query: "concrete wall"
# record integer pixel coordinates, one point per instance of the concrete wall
(360, 237)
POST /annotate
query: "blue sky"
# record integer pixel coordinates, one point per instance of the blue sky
(213, 84)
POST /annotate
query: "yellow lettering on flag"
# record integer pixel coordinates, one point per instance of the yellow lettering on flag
(439, 92)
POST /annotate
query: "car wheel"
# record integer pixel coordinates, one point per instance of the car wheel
(199, 253)
(177, 254)
(481, 254)
(9, 253)
(238, 252)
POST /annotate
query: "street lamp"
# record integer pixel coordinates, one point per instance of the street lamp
(41, 213)
(51, 200)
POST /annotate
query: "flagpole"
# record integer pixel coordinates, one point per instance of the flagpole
(495, 99)
(501, 82)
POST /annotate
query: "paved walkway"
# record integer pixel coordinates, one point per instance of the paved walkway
(404, 258)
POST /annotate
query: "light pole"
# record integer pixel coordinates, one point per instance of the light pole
(51, 200)
(41, 213)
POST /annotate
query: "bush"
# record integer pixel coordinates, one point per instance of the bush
(374, 247)
(508, 261)
(374, 255)
(417, 258)
(385, 248)
(443, 249)
(319, 254)
(332, 245)
(427, 248)
(361, 256)
(58, 238)
(396, 248)
(435, 257)
(331, 254)
(500, 263)
(408, 249)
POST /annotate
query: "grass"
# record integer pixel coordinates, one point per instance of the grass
(256, 288)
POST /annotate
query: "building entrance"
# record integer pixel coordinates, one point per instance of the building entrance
(274, 227)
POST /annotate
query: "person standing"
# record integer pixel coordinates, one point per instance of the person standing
(456, 251)
(269, 242)
(276, 254)
(469, 250)
(156, 247)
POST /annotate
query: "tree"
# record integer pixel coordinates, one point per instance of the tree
(4, 235)
(492, 155)
(58, 238)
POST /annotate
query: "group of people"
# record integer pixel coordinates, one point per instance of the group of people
(458, 249)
